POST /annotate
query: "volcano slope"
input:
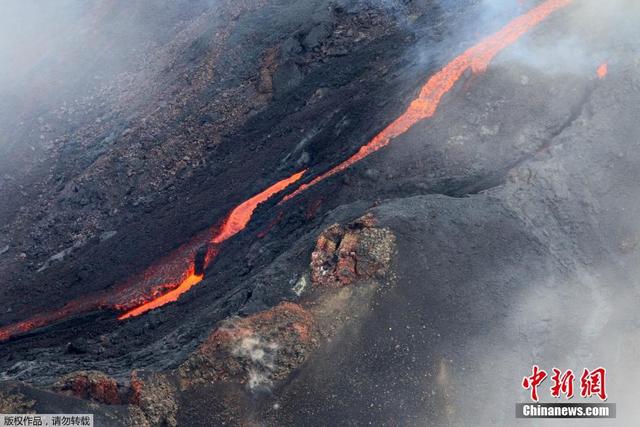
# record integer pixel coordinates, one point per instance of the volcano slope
(416, 287)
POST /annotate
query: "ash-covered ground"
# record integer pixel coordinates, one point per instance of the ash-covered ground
(417, 287)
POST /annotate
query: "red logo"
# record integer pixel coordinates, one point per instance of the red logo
(562, 383)
(534, 381)
(592, 383)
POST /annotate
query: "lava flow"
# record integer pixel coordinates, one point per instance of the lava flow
(603, 70)
(235, 222)
(164, 281)
(476, 58)
(176, 273)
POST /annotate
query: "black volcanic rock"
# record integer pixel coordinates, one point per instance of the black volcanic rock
(78, 346)
(318, 34)
(286, 77)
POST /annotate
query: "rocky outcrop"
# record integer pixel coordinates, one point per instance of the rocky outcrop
(267, 68)
(90, 385)
(345, 254)
(246, 355)
(254, 350)
(153, 401)
(265, 347)
(14, 402)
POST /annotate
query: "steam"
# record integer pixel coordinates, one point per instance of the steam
(581, 44)
(257, 354)
(61, 61)
(584, 208)
(28, 30)
(556, 323)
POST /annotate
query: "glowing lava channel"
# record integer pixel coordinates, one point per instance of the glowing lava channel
(236, 221)
(174, 275)
(476, 58)
(162, 282)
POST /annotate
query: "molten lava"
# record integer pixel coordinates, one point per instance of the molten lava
(190, 281)
(241, 215)
(602, 70)
(174, 274)
(162, 282)
(476, 58)
(235, 222)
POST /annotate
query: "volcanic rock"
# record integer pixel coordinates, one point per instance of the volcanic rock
(345, 254)
(14, 402)
(78, 346)
(255, 350)
(175, 141)
(153, 401)
(286, 77)
(92, 385)
(291, 47)
(317, 35)
(265, 74)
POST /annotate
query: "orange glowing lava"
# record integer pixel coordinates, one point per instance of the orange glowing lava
(240, 216)
(162, 282)
(174, 274)
(477, 59)
(40, 320)
(603, 70)
(190, 281)
(235, 222)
